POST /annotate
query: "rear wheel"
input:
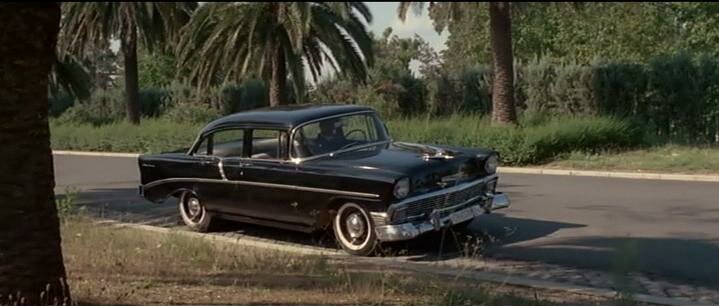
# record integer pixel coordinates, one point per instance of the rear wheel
(193, 213)
(354, 230)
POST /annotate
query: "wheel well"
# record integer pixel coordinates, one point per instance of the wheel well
(335, 204)
(176, 193)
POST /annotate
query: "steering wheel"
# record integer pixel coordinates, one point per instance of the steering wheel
(364, 134)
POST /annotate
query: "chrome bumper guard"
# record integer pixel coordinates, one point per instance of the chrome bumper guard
(409, 230)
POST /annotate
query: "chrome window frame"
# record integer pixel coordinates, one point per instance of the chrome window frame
(202, 135)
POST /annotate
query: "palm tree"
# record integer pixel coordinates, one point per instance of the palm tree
(500, 35)
(70, 75)
(90, 24)
(30, 252)
(230, 41)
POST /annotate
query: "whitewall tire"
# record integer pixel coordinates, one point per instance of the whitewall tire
(193, 212)
(354, 230)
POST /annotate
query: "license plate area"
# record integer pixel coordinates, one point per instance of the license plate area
(462, 215)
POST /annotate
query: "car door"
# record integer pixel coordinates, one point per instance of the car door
(218, 147)
(267, 178)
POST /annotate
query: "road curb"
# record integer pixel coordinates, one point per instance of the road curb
(492, 277)
(217, 238)
(611, 174)
(511, 170)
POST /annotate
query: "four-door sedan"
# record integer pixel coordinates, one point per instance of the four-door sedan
(309, 167)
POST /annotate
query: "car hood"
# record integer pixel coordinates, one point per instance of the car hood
(428, 166)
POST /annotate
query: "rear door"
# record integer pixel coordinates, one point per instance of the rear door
(217, 147)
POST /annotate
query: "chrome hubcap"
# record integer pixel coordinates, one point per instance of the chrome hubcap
(194, 210)
(355, 226)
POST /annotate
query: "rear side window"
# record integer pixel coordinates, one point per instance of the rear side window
(223, 143)
(268, 144)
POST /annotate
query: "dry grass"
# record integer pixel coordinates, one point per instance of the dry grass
(109, 265)
(669, 158)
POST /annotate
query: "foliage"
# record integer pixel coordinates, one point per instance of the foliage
(104, 106)
(66, 202)
(631, 31)
(156, 69)
(87, 25)
(666, 158)
(69, 75)
(530, 144)
(154, 135)
(242, 40)
(59, 102)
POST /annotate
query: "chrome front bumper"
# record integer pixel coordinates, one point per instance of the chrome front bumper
(409, 230)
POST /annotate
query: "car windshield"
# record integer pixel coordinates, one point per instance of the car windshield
(334, 134)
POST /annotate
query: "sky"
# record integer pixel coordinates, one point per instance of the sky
(385, 15)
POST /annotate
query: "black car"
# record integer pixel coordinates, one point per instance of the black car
(309, 167)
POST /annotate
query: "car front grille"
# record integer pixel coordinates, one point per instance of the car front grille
(424, 205)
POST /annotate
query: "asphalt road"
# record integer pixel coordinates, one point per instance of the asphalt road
(666, 228)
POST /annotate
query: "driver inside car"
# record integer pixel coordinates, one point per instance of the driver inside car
(331, 136)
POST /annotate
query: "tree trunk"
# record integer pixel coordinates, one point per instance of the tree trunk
(278, 79)
(500, 32)
(132, 88)
(30, 252)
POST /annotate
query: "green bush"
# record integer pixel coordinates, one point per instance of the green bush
(103, 107)
(59, 103)
(528, 144)
(153, 135)
(192, 113)
(153, 101)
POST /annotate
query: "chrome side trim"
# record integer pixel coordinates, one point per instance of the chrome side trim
(406, 201)
(269, 185)
(222, 170)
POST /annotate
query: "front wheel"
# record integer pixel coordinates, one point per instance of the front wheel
(354, 230)
(193, 213)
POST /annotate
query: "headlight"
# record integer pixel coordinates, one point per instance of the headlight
(491, 164)
(401, 188)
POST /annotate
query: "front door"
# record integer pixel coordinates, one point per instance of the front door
(265, 179)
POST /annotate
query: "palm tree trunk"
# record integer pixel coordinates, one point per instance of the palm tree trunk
(30, 252)
(500, 27)
(278, 79)
(132, 87)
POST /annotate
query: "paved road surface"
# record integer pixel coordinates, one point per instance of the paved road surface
(667, 228)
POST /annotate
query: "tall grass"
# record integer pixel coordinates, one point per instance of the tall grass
(153, 136)
(530, 143)
(533, 141)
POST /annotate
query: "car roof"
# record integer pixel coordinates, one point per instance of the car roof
(285, 116)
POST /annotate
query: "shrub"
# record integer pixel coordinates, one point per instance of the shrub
(192, 113)
(104, 106)
(153, 100)
(59, 103)
(528, 144)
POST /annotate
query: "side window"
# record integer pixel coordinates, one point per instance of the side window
(268, 144)
(223, 143)
(202, 149)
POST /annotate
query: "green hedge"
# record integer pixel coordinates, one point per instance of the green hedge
(532, 144)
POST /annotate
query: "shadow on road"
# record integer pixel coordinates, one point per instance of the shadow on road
(694, 261)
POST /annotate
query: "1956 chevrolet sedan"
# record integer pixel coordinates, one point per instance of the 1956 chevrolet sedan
(311, 167)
